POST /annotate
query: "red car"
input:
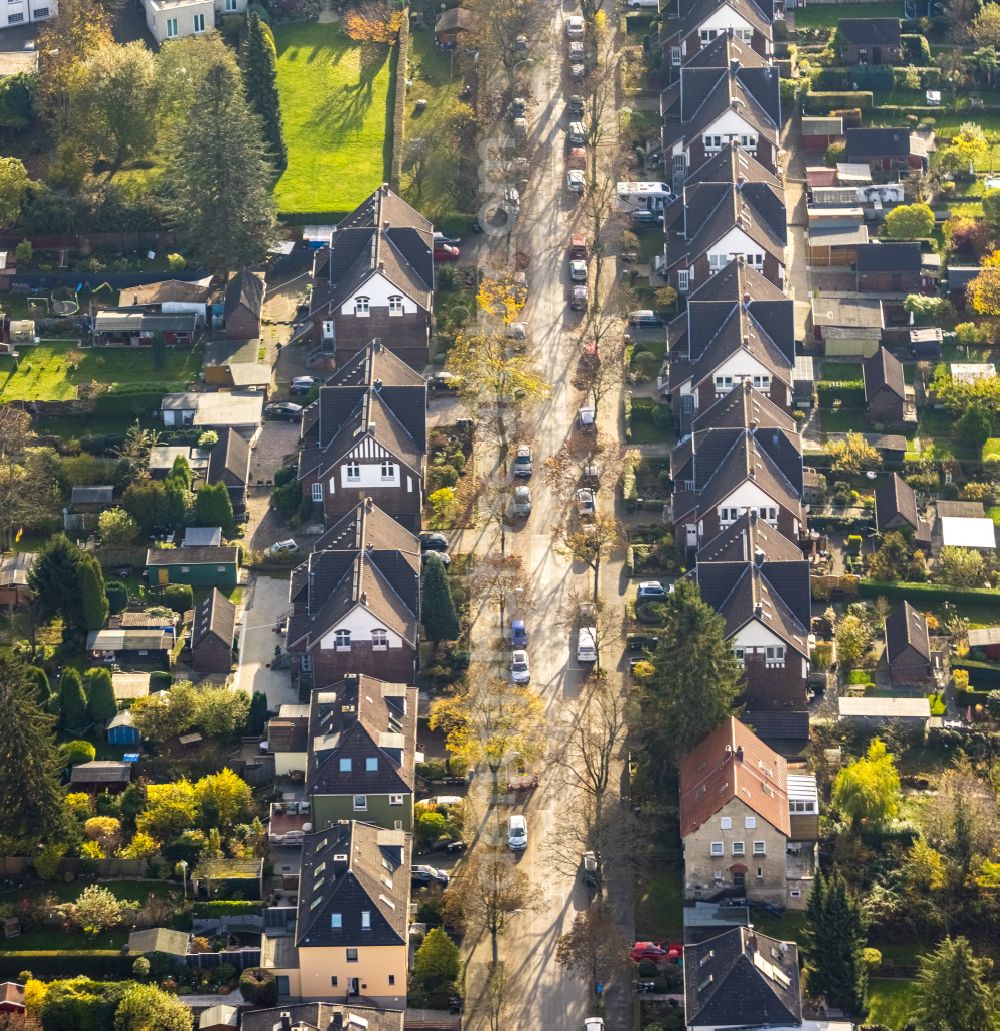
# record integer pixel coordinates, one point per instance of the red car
(446, 252)
(656, 952)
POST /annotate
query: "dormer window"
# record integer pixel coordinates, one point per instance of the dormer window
(361, 305)
(388, 470)
(380, 640)
(353, 470)
(342, 640)
(396, 305)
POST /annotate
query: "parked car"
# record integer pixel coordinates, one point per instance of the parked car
(520, 127)
(520, 505)
(439, 237)
(442, 800)
(653, 589)
(644, 317)
(586, 644)
(593, 1024)
(302, 384)
(588, 867)
(423, 874)
(575, 106)
(643, 218)
(520, 670)
(522, 462)
(444, 382)
(520, 43)
(586, 419)
(576, 157)
(579, 300)
(517, 833)
(432, 540)
(578, 71)
(578, 271)
(575, 27)
(518, 634)
(574, 50)
(656, 952)
(518, 107)
(446, 252)
(429, 553)
(579, 247)
(575, 180)
(283, 410)
(586, 503)
(285, 547)
(577, 134)
(590, 476)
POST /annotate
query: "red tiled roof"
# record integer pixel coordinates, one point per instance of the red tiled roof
(732, 762)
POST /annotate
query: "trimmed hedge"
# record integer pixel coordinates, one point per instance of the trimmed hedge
(821, 102)
(850, 393)
(979, 672)
(224, 907)
(121, 403)
(308, 218)
(839, 524)
(100, 965)
(917, 593)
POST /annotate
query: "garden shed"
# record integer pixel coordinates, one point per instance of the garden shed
(121, 730)
(987, 640)
(163, 940)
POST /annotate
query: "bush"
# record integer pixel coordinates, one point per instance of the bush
(819, 103)
(223, 907)
(67, 963)
(74, 752)
(117, 595)
(176, 262)
(179, 597)
(259, 987)
(160, 680)
(454, 224)
(140, 968)
(920, 594)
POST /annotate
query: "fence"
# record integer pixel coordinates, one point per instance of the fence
(239, 958)
(137, 869)
(25, 282)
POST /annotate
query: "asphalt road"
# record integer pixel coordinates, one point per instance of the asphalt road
(540, 994)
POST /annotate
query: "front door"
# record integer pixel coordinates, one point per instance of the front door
(163, 575)
(740, 881)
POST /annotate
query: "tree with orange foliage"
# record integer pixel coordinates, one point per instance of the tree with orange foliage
(374, 22)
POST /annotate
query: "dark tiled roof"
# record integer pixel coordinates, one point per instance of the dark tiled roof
(778, 726)
(288, 734)
(960, 509)
(747, 537)
(349, 869)
(732, 762)
(884, 371)
(868, 144)
(906, 628)
(869, 31)
(742, 978)
(705, 94)
(373, 364)
(744, 406)
(214, 615)
(191, 556)
(367, 526)
(724, 51)
(895, 497)
(730, 165)
(889, 257)
(356, 721)
(323, 1016)
(229, 462)
(244, 290)
(195, 292)
(100, 772)
(694, 12)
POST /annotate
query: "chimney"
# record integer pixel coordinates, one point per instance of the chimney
(758, 557)
(739, 753)
(337, 1021)
(135, 298)
(758, 610)
(369, 504)
(385, 188)
(286, 1021)
(385, 225)
(734, 67)
(378, 384)
(364, 597)
(746, 296)
(746, 341)
(381, 264)
(340, 863)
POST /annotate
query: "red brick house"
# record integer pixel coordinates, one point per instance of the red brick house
(243, 304)
(907, 646)
(885, 388)
(212, 633)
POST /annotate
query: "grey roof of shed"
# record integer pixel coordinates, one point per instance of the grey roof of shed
(181, 291)
(883, 371)
(906, 628)
(112, 321)
(14, 568)
(870, 31)
(742, 978)
(870, 143)
(889, 257)
(229, 462)
(159, 939)
(348, 869)
(101, 771)
(215, 616)
(244, 290)
(203, 556)
(91, 495)
(455, 18)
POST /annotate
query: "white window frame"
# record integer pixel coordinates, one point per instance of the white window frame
(171, 28)
(329, 330)
(760, 848)
(746, 35)
(717, 262)
(317, 491)
(360, 803)
(726, 823)
(353, 470)
(39, 13)
(750, 823)
(366, 920)
(676, 57)
(198, 22)
(388, 470)
(395, 800)
(396, 305)
(762, 382)
(380, 640)
(230, 6)
(342, 640)
(683, 280)
(716, 848)
(362, 307)
(739, 848)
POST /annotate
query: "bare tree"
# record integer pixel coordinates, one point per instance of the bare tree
(501, 580)
(603, 222)
(566, 469)
(488, 890)
(596, 948)
(488, 991)
(590, 543)
(606, 620)
(600, 371)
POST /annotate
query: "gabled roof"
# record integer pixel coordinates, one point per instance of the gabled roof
(869, 31)
(748, 538)
(705, 94)
(725, 51)
(353, 723)
(375, 365)
(214, 616)
(229, 462)
(12, 993)
(244, 290)
(884, 371)
(895, 497)
(889, 257)
(742, 978)
(196, 292)
(732, 164)
(711, 447)
(100, 771)
(870, 143)
(744, 406)
(383, 234)
(906, 628)
(348, 870)
(367, 526)
(732, 762)
(14, 569)
(694, 12)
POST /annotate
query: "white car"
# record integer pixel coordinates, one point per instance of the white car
(574, 180)
(287, 547)
(593, 1024)
(575, 27)
(302, 384)
(586, 419)
(520, 671)
(586, 503)
(517, 833)
(445, 800)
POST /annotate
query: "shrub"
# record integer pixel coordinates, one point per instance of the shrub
(117, 595)
(259, 987)
(179, 597)
(176, 262)
(160, 680)
(74, 752)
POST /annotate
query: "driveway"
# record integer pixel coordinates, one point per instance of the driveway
(265, 604)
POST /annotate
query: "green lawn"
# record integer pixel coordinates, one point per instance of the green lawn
(843, 420)
(891, 1002)
(827, 16)
(54, 370)
(659, 904)
(337, 113)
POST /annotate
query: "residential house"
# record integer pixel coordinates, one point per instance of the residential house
(735, 819)
(288, 739)
(896, 509)
(242, 306)
(229, 464)
(219, 567)
(893, 268)
(121, 730)
(171, 19)
(233, 364)
(361, 754)
(986, 640)
(356, 603)
(100, 776)
(731, 207)
(868, 41)
(848, 326)
(908, 646)
(364, 437)
(887, 398)
(212, 633)
(127, 327)
(322, 1016)
(892, 149)
(738, 329)
(240, 410)
(11, 997)
(145, 646)
(21, 12)
(758, 581)
(725, 93)
(15, 568)
(170, 297)
(375, 279)
(351, 927)
(694, 24)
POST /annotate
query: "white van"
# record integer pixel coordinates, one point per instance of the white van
(586, 648)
